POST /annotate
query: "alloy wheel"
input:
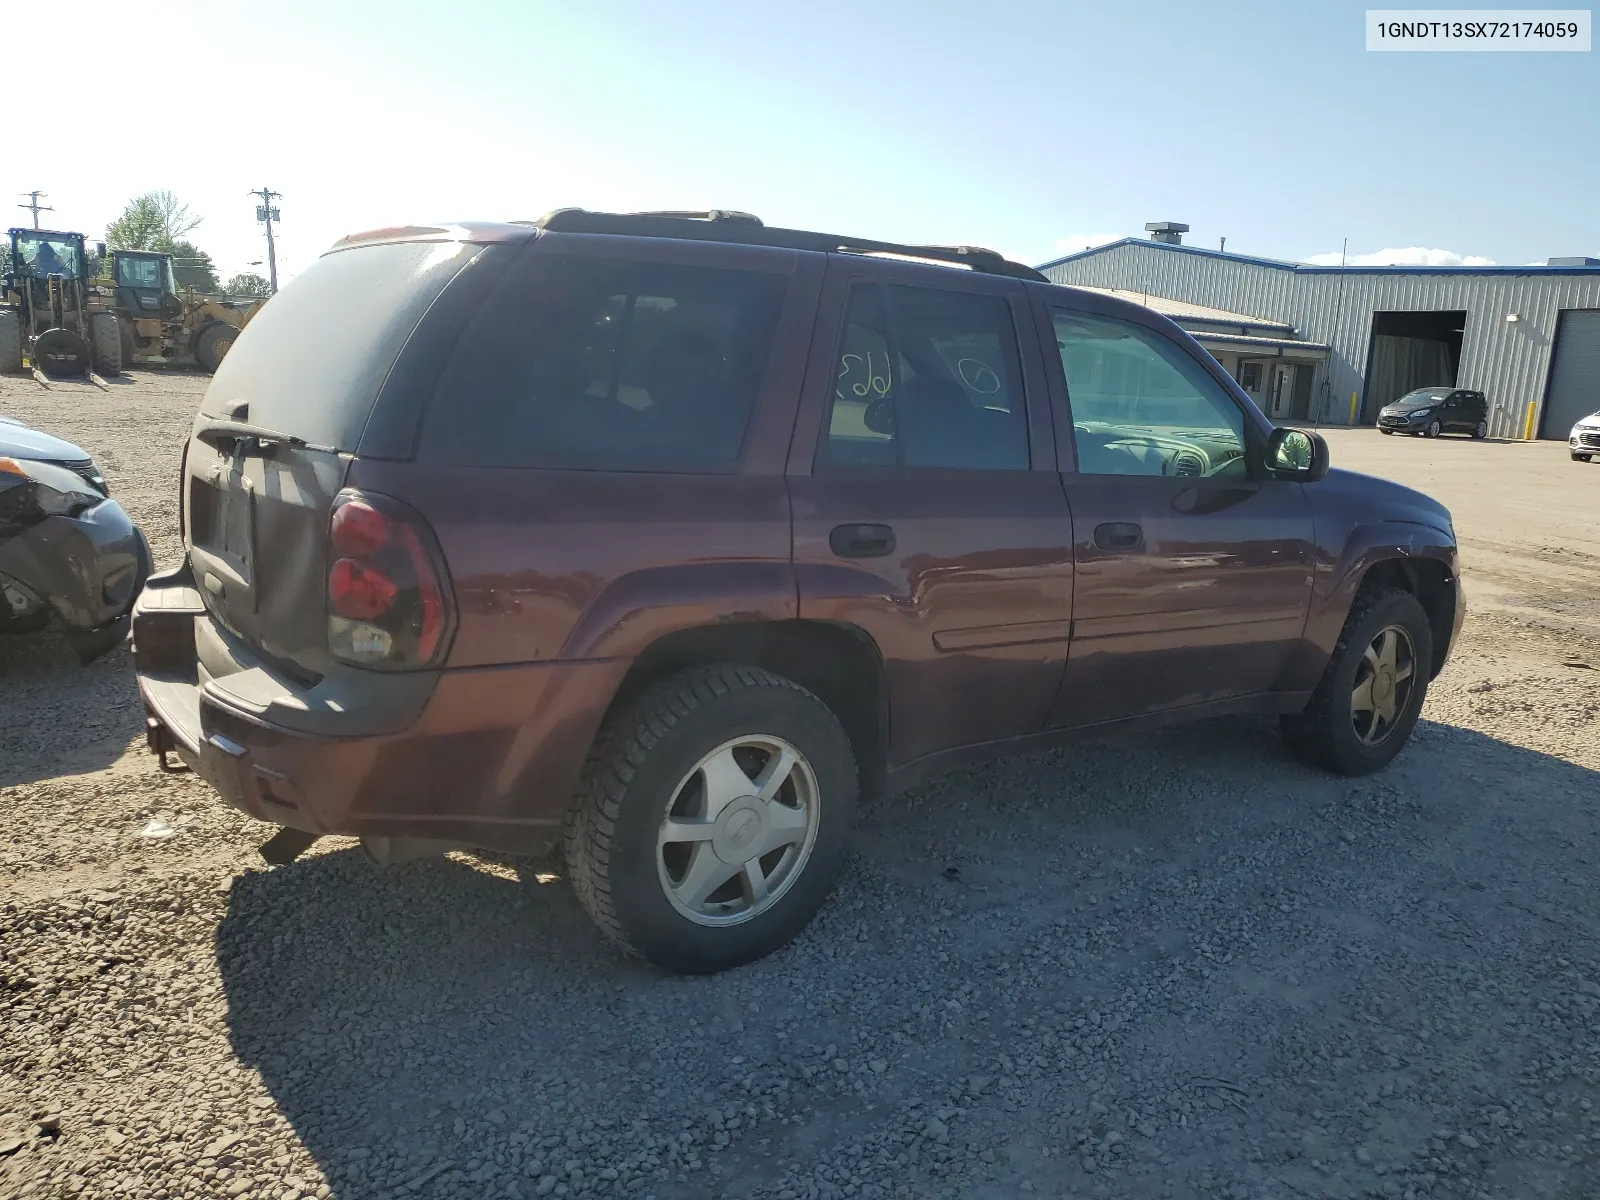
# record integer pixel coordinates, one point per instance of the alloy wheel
(1384, 679)
(738, 831)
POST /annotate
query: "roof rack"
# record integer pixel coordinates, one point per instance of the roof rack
(724, 225)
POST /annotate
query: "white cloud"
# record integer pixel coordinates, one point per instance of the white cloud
(1077, 242)
(1409, 256)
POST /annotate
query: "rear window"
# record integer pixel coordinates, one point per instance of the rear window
(312, 360)
(607, 364)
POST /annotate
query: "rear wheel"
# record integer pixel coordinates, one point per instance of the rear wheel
(1366, 705)
(105, 338)
(10, 342)
(130, 347)
(213, 345)
(713, 818)
(1481, 430)
(1434, 429)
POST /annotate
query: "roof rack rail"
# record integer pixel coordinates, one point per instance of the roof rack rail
(723, 225)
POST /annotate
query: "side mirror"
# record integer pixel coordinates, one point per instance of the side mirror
(1297, 454)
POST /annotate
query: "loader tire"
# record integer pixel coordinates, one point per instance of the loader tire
(10, 342)
(213, 344)
(130, 346)
(105, 340)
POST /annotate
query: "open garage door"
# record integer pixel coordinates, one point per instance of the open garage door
(1410, 350)
(1574, 373)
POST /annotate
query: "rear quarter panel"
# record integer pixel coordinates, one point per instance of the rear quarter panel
(570, 565)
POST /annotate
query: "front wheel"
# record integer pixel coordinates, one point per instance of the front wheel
(213, 344)
(1576, 457)
(1387, 432)
(1434, 429)
(713, 818)
(105, 339)
(1481, 430)
(1366, 705)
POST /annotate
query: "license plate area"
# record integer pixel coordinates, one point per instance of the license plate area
(230, 529)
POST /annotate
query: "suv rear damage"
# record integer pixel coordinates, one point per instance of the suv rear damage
(668, 537)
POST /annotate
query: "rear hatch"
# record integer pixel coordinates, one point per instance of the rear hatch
(309, 366)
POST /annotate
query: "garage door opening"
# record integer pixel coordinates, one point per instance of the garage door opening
(1410, 350)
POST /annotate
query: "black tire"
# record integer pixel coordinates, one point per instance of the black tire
(105, 340)
(10, 342)
(1480, 430)
(1434, 429)
(130, 346)
(1386, 432)
(1324, 734)
(1576, 457)
(213, 344)
(638, 760)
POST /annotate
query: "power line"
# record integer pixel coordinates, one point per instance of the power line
(267, 214)
(35, 207)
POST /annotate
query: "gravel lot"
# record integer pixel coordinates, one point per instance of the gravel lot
(1179, 966)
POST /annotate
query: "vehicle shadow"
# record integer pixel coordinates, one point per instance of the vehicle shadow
(459, 1023)
(63, 718)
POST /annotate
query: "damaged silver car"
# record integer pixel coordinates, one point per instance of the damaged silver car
(68, 552)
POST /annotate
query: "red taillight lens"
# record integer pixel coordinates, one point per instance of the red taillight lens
(389, 600)
(358, 530)
(359, 592)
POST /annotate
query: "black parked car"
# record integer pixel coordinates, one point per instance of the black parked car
(1428, 412)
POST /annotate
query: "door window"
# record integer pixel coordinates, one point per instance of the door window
(927, 377)
(1141, 406)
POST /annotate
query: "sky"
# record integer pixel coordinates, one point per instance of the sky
(1035, 127)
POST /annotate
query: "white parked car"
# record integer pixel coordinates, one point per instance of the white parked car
(1584, 440)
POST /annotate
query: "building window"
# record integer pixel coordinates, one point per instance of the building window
(1250, 376)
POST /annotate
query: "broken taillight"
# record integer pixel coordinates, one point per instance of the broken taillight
(389, 601)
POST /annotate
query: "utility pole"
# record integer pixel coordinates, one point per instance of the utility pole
(267, 214)
(35, 207)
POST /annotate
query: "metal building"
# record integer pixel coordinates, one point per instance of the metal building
(1335, 344)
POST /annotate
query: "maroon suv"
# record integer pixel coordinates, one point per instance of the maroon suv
(672, 535)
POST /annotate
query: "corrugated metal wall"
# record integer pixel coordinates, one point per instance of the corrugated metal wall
(1507, 361)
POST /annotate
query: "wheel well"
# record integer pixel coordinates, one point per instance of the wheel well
(1433, 586)
(840, 664)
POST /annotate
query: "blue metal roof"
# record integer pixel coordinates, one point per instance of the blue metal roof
(1308, 269)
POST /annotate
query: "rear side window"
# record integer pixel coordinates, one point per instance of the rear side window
(607, 364)
(927, 377)
(310, 363)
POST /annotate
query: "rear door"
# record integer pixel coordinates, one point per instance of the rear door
(926, 506)
(1194, 570)
(1453, 412)
(310, 365)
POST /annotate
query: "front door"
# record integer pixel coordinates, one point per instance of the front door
(1282, 391)
(1194, 567)
(927, 510)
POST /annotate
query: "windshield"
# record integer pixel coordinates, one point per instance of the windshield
(1422, 396)
(40, 255)
(139, 272)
